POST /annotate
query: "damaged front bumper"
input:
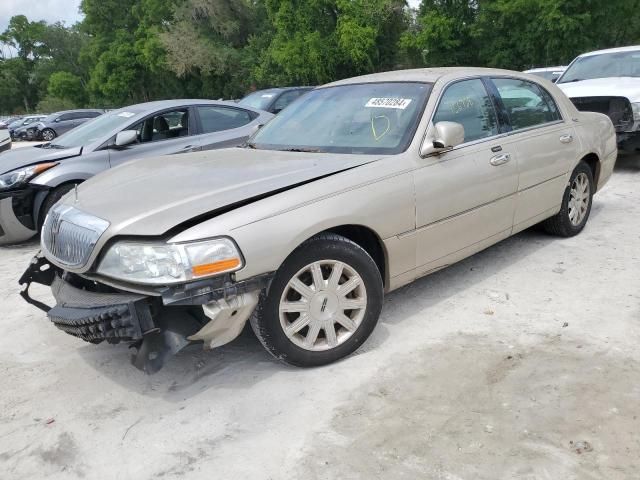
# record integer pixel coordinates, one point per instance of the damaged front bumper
(16, 215)
(212, 311)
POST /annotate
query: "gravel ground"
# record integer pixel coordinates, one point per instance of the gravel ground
(520, 362)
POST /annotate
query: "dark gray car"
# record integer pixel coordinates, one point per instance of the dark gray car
(32, 179)
(274, 100)
(59, 123)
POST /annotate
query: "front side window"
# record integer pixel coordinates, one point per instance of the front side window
(468, 103)
(368, 118)
(285, 99)
(163, 126)
(216, 119)
(527, 104)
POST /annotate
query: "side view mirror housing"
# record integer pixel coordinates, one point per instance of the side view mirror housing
(441, 137)
(126, 137)
(57, 120)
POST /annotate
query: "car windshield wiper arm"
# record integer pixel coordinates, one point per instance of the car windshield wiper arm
(249, 145)
(301, 149)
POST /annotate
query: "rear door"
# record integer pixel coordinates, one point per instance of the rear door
(546, 147)
(465, 198)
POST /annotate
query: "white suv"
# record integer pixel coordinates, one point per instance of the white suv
(608, 81)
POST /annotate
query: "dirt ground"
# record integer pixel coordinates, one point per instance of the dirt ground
(521, 362)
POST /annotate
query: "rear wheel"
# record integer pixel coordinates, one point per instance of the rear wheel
(48, 134)
(322, 304)
(576, 204)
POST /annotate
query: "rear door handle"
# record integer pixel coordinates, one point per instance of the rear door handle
(500, 159)
(566, 138)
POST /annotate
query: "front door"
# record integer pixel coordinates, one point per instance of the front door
(465, 198)
(163, 133)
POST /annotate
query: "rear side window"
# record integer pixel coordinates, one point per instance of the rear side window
(527, 104)
(468, 103)
(214, 118)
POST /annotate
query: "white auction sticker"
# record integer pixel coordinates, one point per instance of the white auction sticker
(400, 103)
(126, 114)
(268, 95)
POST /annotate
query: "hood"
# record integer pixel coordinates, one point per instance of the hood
(26, 156)
(628, 87)
(153, 195)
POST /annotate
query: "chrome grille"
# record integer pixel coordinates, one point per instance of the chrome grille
(69, 235)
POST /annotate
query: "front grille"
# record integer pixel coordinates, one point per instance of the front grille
(618, 109)
(69, 235)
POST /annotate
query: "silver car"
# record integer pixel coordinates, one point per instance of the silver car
(356, 189)
(33, 179)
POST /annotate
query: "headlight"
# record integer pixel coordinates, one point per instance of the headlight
(168, 263)
(19, 177)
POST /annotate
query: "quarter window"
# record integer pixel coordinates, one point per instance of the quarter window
(468, 103)
(527, 103)
(216, 119)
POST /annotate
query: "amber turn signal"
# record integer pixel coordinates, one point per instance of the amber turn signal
(215, 267)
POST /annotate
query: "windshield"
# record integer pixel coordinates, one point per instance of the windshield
(92, 130)
(260, 99)
(370, 118)
(619, 64)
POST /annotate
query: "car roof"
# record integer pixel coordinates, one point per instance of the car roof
(77, 110)
(545, 69)
(162, 104)
(429, 75)
(632, 48)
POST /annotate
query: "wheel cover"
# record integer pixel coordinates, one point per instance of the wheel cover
(579, 199)
(322, 305)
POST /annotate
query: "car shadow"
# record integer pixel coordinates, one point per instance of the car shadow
(244, 362)
(628, 162)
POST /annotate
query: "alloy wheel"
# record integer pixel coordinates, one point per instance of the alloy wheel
(323, 305)
(579, 199)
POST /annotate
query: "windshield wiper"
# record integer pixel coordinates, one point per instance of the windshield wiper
(249, 145)
(301, 149)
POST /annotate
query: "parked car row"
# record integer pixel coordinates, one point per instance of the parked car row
(357, 188)
(37, 177)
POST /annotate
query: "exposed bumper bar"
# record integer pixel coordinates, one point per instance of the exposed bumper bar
(157, 327)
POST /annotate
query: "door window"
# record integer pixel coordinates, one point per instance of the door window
(285, 99)
(163, 126)
(216, 119)
(527, 103)
(64, 117)
(468, 103)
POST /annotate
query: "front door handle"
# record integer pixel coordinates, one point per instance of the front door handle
(500, 159)
(566, 138)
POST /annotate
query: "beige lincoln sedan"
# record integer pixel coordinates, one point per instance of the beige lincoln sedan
(354, 190)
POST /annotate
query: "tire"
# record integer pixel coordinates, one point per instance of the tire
(53, 197)
(48, 134)
(282, 305)
(563, 224)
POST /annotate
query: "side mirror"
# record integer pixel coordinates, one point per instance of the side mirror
(126, 137)
(441, 137)
(57, 120)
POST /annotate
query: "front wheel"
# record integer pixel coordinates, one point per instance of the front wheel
(48, 134)
(322, 304)
(576, 204)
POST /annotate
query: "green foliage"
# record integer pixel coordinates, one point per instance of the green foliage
(66, 86)
(50, 104)
(128, 51)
